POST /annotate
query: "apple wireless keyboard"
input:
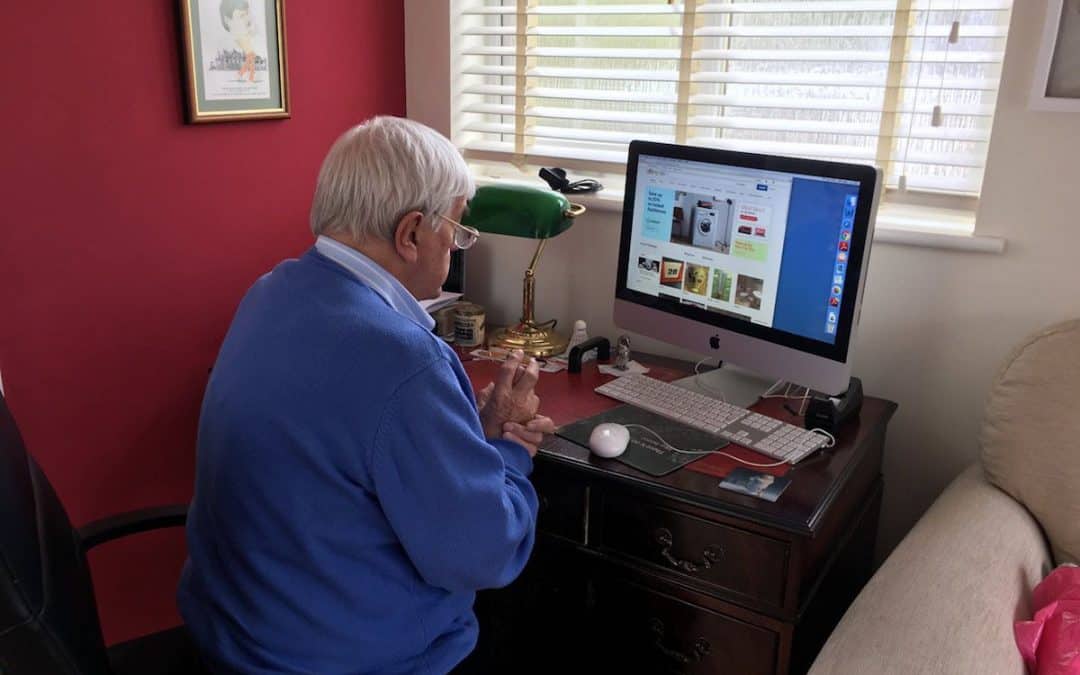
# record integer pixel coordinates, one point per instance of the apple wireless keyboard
(762, 433)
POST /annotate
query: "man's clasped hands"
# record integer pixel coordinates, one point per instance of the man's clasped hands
(509, 407)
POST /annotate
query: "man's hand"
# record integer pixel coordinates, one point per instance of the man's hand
(510, 398)
(530, 434)
(484, 395)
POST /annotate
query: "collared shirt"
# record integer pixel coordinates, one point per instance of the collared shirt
(382, 282)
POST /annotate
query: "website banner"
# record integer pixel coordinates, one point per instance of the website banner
(709, 236)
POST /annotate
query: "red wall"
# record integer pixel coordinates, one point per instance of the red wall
(127, 239)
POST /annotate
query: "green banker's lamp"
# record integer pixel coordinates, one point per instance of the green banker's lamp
(522, 211)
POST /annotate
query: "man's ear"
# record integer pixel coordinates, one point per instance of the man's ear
(405, 235)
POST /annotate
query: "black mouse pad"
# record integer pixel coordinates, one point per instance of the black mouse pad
(646, 452)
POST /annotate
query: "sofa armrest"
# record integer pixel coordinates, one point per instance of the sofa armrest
(945, 600)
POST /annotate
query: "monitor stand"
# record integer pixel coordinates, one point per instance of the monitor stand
(738, 386)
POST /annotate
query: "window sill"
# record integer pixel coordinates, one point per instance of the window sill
(904, 225)
(889, 234)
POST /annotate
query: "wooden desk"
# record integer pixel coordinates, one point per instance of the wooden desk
(676, 575)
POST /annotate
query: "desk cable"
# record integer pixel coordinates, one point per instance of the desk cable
(829, 437)
(787, 395)
(702, 452)
(712, 391)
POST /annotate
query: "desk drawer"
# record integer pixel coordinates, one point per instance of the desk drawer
(562, 503)
(727, 558)
(644, 631)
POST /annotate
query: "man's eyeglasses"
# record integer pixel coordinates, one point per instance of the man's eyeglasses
(464, 236)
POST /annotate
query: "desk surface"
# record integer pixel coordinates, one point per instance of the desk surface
(815, 482)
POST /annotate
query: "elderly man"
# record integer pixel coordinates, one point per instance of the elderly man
(351, 496)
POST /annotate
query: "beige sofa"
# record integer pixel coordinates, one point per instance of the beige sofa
(946, 599)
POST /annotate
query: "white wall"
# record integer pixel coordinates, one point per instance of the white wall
(935, 323)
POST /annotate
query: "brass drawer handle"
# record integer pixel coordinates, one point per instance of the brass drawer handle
(710, 555)
(700, 649)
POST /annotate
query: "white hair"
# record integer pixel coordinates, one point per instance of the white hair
(382, 169)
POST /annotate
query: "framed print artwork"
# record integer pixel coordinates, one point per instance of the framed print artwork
(1056, 84)
(234, 57)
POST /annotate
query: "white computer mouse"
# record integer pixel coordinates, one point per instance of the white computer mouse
(609, 439)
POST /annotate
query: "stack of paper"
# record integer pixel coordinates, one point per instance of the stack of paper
(443, 300)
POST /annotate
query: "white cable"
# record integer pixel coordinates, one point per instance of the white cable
(769, 392)
(803, 398)
(787, 391)
(705, 452)
(827, 435)
(701, 384)
(805, 402)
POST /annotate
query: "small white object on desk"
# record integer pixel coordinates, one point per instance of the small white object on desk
(609, 439)
(580, 334)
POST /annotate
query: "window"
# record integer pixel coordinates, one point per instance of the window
(908, 85)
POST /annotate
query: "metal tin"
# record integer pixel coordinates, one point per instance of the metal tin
(444, 323)
(468, 324)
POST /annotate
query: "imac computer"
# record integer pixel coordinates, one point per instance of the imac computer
(757, 260)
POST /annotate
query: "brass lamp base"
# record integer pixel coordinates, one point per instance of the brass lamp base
(538, 340)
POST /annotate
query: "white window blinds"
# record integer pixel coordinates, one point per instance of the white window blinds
(909, 85)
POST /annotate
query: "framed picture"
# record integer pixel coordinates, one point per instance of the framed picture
(1056, 84)
(234, 57)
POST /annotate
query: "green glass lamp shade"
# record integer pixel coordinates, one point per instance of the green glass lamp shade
(520, 211)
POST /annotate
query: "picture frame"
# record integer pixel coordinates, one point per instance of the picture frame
(1056, 84)
(235, 60)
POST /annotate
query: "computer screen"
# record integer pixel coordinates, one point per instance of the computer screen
(758, 260)
(455, 277)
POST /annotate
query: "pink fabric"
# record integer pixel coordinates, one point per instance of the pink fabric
(1050, 643)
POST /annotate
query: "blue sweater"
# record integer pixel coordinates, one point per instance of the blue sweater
(347, 505)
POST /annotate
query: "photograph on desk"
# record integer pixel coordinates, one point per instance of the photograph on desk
(756, 484)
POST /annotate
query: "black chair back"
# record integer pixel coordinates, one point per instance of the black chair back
(48, 615)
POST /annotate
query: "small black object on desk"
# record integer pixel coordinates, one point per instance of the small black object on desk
(830, 412)
(600, 344)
